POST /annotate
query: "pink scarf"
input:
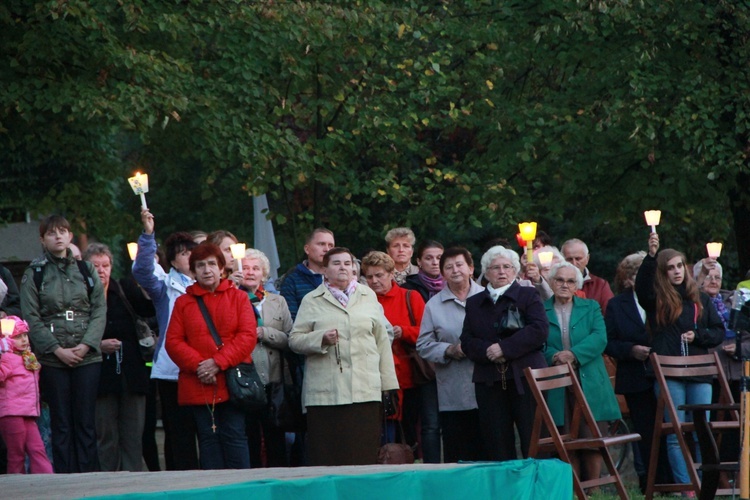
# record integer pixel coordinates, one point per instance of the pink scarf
(342, 295)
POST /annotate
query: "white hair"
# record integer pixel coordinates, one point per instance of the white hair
(575, 241)
(265, 265)
(500, 251)
(561, 265)
(699, 266)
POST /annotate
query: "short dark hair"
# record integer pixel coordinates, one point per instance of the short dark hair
(204, 251)
(178, 242)
(455, 252)
(426, 245)
(316, 231)
(53, 222)
(335, 251)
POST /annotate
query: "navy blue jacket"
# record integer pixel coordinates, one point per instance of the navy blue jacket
(298, 283)
(521, 348)
(624, 330)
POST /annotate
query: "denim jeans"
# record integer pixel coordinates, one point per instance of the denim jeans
(683, 393)
(224, 447)
(430, 422)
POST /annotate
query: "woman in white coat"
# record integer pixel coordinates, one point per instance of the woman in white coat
(340, 327)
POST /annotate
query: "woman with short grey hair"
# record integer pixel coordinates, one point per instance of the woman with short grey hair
(399, 243)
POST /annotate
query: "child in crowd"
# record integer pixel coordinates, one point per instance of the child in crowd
(19, 403)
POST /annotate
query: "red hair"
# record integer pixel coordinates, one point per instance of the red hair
(204, 251)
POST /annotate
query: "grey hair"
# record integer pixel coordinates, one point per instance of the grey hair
(98, 249)
(265, 265)
(400, 232)
(556, 255)
(699, 266)
(500, 251)
(575, 241)
(557, 267)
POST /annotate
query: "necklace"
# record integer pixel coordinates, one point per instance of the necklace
(211, 410)
(118, 359)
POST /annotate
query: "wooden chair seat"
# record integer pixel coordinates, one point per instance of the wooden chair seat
(564, 377)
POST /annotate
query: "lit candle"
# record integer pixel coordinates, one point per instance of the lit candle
(139, 183)
(238, 253)
(713, 249)
(7, 326)
(528, 233)
(545, 258)
(132, 249)
(652, 218)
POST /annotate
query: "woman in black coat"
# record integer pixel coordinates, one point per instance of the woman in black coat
(629, 343)
(124, 378)
(504, 331)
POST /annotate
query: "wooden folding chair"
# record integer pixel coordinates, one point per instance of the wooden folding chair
(563, 377)
(682, 367)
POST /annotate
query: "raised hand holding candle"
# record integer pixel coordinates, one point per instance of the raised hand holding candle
(139, 184)
(7, 326)
(238, 253)
(713, 249)
(528, 233)
(545, 259)
(132, 250)
(652, 218)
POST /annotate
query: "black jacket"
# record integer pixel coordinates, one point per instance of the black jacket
(12, 302)
(521, 348)
(624, 330)
(121, 325)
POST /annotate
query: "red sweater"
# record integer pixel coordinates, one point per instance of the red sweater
(394, 305)
(189, 340)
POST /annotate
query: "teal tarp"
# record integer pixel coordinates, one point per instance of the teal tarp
(517, 479)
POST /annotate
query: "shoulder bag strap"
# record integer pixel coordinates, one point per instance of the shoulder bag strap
(209, 322)
(412, 319)
(125, 300)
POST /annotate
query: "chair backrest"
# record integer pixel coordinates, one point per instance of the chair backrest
(704, 365)
(560, 377)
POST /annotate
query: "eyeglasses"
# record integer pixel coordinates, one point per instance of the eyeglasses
(562, 282)
(713, 278)
(504, 267)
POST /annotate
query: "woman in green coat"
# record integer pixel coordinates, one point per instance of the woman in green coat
(577, 335)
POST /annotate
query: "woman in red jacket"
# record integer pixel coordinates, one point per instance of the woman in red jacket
(378, 269)
(201, 384)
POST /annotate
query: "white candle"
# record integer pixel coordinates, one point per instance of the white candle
(238, 253)
(139, 184)
(132, 250)
(545, 258)
(7, 326)
(713, 249)
(652, 218)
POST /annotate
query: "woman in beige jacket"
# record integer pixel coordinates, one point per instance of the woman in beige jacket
(274, 325)
(340, 327)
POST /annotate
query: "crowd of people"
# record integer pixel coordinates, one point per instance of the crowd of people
(408, 344)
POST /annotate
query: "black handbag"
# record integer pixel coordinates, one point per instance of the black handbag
(285, 404)
(146, 336)
(245, 388)
(513, 319)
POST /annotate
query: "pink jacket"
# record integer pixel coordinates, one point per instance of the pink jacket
(19, 388)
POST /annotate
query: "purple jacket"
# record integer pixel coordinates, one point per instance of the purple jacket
(521, 348)
(19, 388)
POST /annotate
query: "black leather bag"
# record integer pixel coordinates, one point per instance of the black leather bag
(245, 388)
(513, 320)
(285, 405)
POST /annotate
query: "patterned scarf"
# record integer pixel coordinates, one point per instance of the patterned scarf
(724, 313)
(29, 360)
(433, 285)
(342, 295)
(255, 300)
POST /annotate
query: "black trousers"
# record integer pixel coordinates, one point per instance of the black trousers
(462, 439)
(642, 407)
(71, 396)
(499, 410)
(260, 431)
(180, 446)
(150, 450)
